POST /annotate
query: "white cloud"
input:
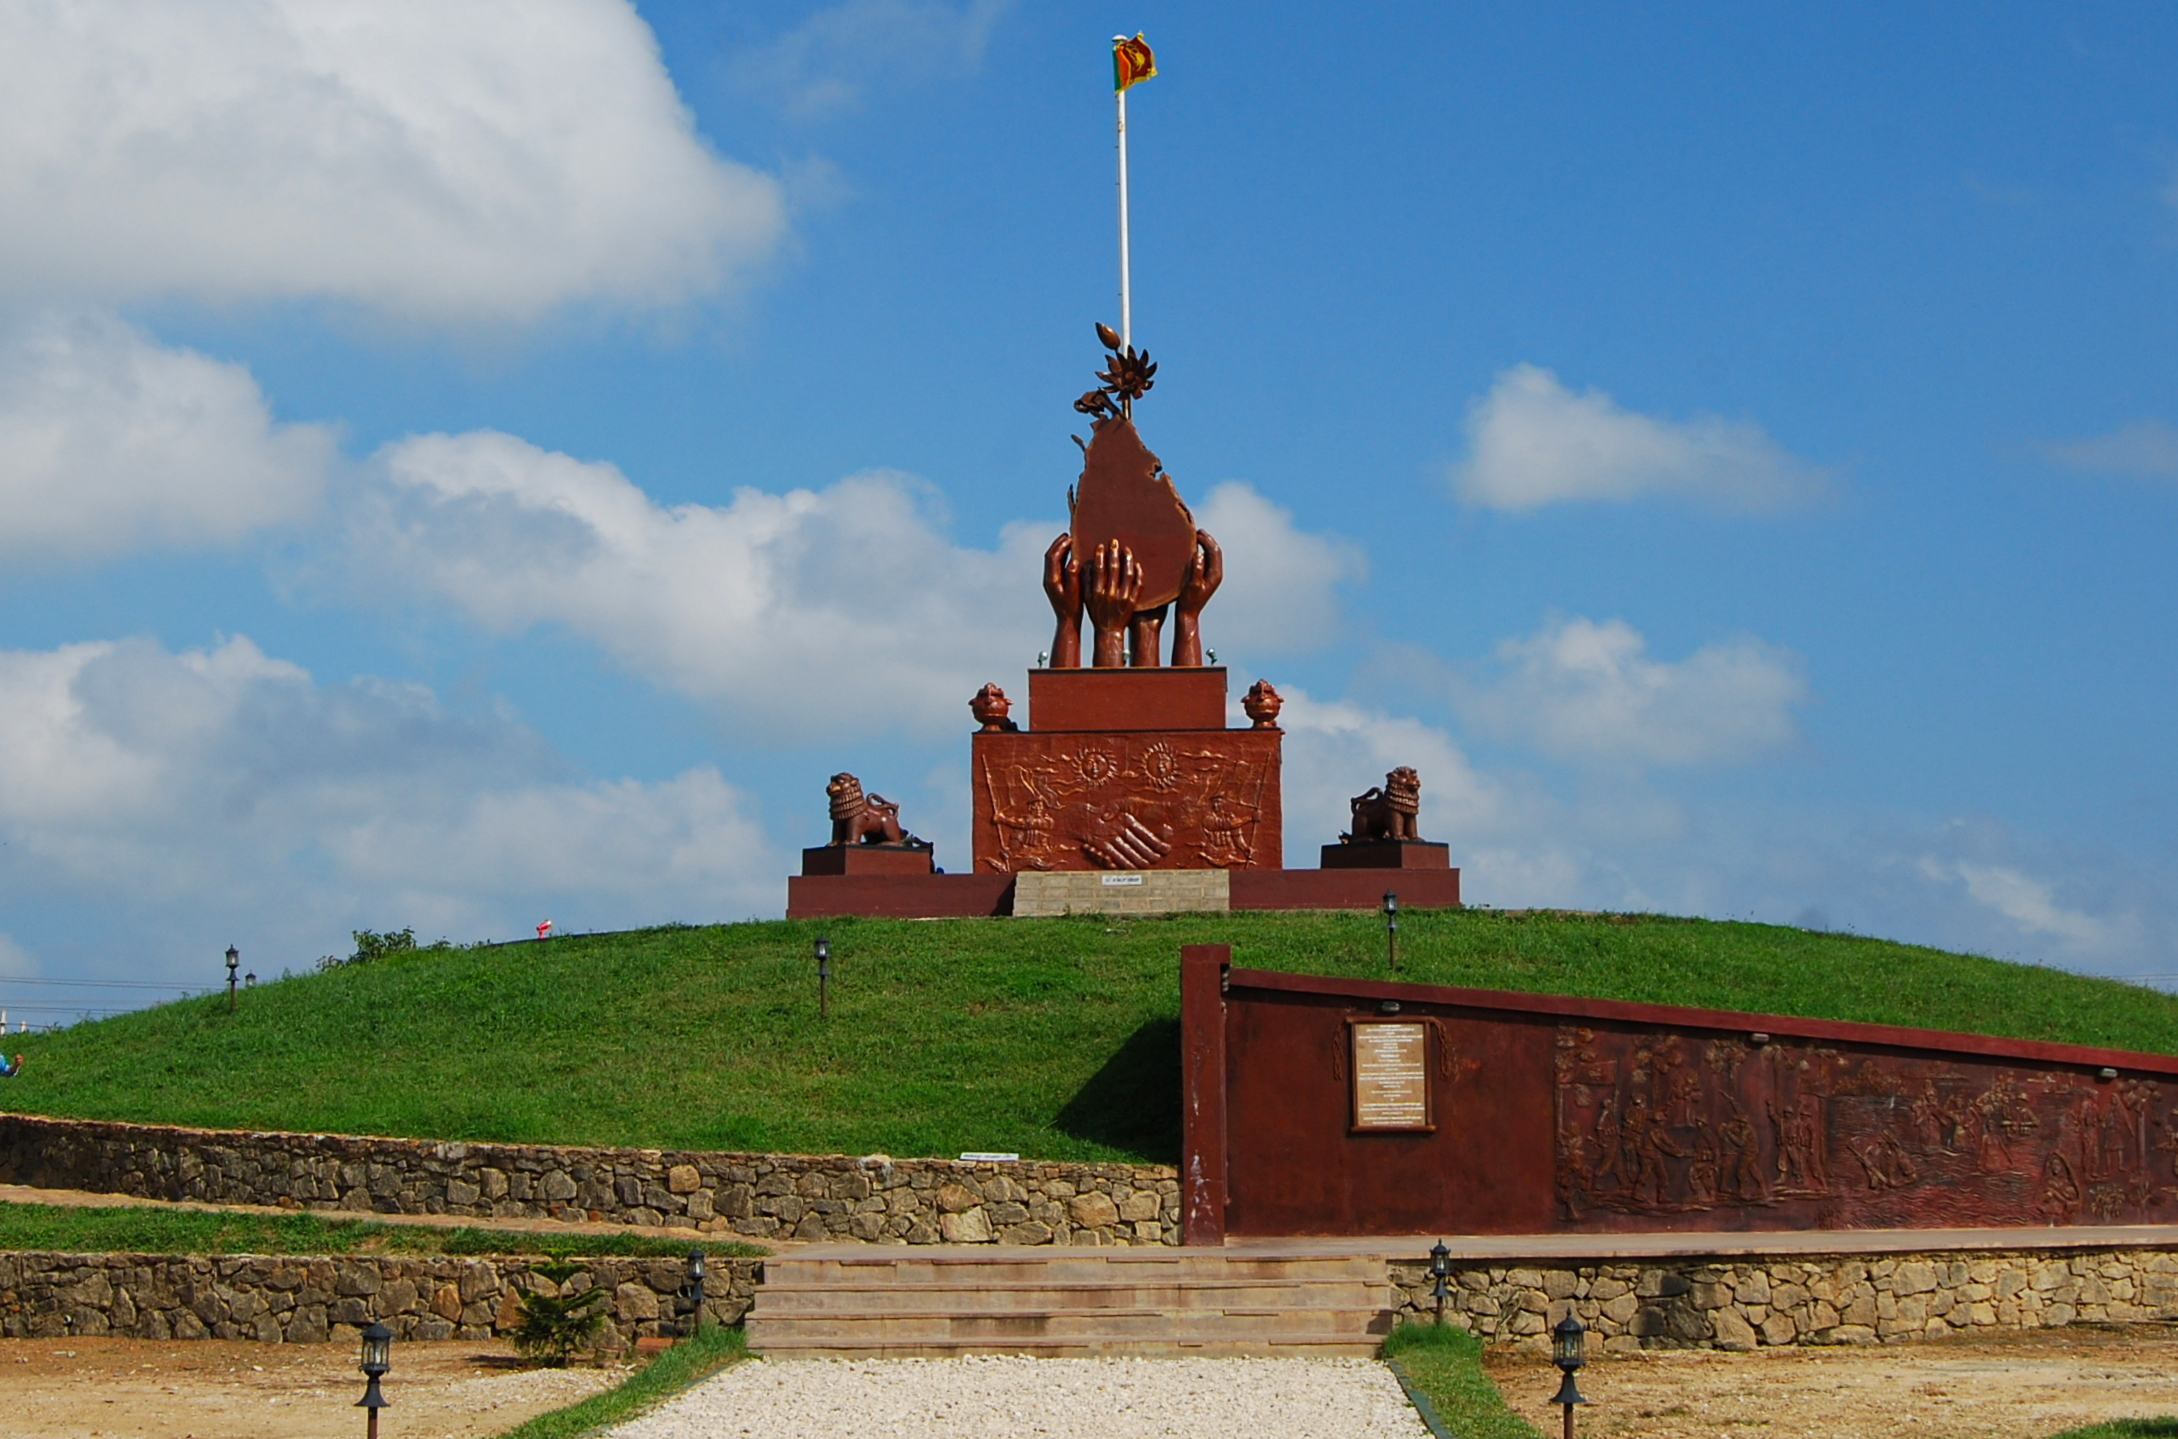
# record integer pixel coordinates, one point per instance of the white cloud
(224, 790)
(841, 609)
(1532, 442)
(1281, 582)
(827, 64)
(1585, 691)
(1335, 750)
(2032, 906)
(491, 159)
(110, 441)
(2146, 448)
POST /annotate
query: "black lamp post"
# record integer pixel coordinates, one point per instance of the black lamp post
(377, 1359)
(1440, 1266)
(1569, 1351)
(234, 960)
(824, 977)
(692, 1291)
(1391, 926)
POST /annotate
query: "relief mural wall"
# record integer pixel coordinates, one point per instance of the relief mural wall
(1177, 799)
(1656, 1129)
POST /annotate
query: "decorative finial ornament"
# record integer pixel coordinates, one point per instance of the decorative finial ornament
(1128, 375)
(990, 707)
(1262, 704)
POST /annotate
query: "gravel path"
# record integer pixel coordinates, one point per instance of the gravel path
(996, 1396)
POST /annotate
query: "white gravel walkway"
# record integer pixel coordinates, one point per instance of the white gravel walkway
(970, 1398)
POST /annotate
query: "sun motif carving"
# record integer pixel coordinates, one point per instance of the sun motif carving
(1160, 766)
(1096, 766)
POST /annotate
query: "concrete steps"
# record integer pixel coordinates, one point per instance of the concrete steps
(840, 1301)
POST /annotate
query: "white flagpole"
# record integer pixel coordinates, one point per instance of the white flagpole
(1126, 293)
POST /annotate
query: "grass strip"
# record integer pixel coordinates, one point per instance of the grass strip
(156, 1229)
(2165, 1427)
(685, 1364)
(1051, 1038)
(1445, 1364)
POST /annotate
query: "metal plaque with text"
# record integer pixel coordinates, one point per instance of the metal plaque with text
(1391, 1077)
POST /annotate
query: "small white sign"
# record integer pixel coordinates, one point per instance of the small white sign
(977, 1156)
(1112, 879)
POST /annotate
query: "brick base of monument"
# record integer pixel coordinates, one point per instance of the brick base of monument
(948, 896)
(868, 859)
(1385, 854)
(899, 896)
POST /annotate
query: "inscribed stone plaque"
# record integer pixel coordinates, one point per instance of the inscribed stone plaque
(1391, 1076)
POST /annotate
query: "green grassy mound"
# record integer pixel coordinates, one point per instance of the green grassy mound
(155, 1229)
(1052, 1038)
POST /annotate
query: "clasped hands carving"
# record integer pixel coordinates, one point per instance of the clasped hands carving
(1107, 585)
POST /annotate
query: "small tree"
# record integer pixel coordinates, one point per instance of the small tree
(553, 1327)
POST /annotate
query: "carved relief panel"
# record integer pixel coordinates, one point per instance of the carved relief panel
(1666, 1130)
(1146, 799)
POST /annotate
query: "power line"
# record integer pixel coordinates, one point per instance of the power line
(97, 983)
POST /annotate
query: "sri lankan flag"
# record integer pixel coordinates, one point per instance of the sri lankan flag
(1132, 61)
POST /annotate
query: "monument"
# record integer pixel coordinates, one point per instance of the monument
(1126, 788)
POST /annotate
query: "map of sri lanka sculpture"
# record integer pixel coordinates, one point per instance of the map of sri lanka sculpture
(1132, 551)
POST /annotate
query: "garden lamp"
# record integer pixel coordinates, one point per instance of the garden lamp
(824, 977)
(1569, 1351)
(1440, 1267)
(1391, 926)
(692, 1291)
(234, 960)
(377, 1359)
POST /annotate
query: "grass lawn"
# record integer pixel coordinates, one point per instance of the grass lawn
(1054, 1038)
(1445, 1364)
(676, 1369)
(151, 1229)
(2164, 1428)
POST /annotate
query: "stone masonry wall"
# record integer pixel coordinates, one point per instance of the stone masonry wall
(1745, 1303)
(314, 1299)
(763, 1196)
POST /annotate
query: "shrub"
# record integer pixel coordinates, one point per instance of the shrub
(370, 945)
(552, 1327)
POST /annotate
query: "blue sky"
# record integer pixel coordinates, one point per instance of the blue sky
(464, 468)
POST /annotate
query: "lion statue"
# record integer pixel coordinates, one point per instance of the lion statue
(863, 819)
(1387, 813)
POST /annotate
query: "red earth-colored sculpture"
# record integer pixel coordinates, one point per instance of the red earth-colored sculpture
(863, 819)
(1389, 812)
(1123, 762)
(990, 707)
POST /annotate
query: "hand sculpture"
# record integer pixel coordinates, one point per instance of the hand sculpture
(1205, 572)
(1144, 637)
(1062, 583)
(1114, 586)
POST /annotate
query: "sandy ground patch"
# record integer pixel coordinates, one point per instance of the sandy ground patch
(214, 1389)
(2024, 1386)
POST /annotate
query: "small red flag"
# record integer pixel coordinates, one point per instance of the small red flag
(1132, 61)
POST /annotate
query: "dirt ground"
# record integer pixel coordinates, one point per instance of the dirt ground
(2025, 1386)
(214, 1389)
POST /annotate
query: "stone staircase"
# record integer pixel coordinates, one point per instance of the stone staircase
(841, 1301)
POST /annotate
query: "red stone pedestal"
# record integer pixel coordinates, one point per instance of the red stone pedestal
(1388, 854)
(899, 896)
(1127, 699)
(869, 859)
(1127, 769)
(1344, 888)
